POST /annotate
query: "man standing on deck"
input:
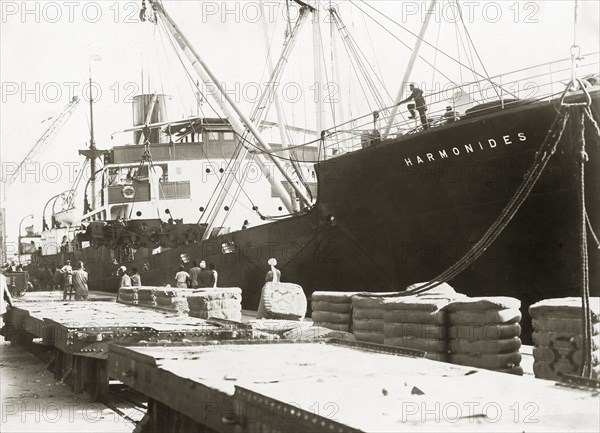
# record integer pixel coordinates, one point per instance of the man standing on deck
(80, 280)
(421, 107)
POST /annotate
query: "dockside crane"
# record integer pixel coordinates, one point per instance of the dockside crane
(46, 137)
(37, 147)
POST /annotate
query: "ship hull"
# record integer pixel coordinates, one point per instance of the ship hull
(405, 210)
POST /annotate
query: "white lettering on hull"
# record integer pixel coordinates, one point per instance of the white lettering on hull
(469, 148)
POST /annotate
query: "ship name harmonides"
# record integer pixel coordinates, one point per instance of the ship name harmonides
(477, 146)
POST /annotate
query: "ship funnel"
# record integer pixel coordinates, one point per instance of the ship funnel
(143, 105)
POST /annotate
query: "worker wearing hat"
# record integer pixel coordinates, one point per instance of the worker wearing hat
(125, 279)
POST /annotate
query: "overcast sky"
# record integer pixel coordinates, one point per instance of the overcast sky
(46, 49)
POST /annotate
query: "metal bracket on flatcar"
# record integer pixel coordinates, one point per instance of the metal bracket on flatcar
(286, 417)
(379, 348)
(578, 381)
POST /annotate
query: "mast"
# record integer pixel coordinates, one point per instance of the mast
(240, 123)
(409, 68)
(336, 64)
(92, 149)
(92, 152)
(318, 72)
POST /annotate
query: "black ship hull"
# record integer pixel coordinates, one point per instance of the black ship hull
(404, 210)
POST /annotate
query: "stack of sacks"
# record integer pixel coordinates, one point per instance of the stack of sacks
(558, 337)
(128, 295)
(417, 322)
(146, 296)
(367, 318)
(484, 333)
(285, 301)
(221, 303)
(173, 299)
(332, 310)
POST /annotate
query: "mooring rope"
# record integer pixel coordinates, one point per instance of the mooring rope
(547, 149)
(581, 159)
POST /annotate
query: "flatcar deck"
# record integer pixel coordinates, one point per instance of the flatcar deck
(79, 333)
(339, 387)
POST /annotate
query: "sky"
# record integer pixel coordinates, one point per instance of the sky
(48, 48)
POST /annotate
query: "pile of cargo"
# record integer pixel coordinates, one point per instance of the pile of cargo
(284, 301)
(417, 323)
(484, 333)
(367, 318)
(146, 296)
(128, 295)
(558, 337)
(221, 303)
(449, 326)
(332, 310)
(172, 298)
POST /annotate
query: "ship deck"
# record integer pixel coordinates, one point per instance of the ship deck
(339, 387)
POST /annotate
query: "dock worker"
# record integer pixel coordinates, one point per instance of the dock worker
(215, 274)
(194, 273)
(136, 279)
(274, 274)
(205, 277)
(48, 278)
(125, 279)
(182, 278)
(67, 278)
(419, 105)
(5, 299)
(80, 283)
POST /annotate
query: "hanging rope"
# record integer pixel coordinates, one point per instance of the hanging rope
(581, 159)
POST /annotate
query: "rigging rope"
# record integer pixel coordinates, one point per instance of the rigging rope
(472, 44)
(230, 167)
(424, 41)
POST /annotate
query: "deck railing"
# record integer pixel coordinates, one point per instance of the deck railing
(542, 82)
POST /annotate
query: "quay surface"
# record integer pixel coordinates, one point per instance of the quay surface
(32, 400)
